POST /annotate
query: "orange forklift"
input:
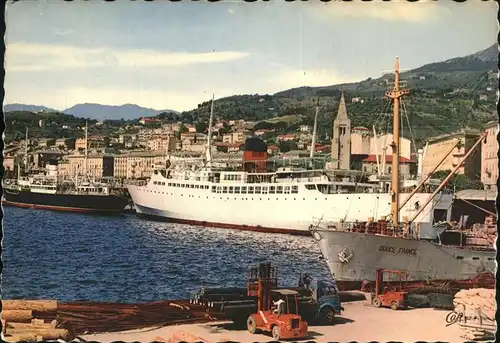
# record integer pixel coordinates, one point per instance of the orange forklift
(283, 322)
(389, 292)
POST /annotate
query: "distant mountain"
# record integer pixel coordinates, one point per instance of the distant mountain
(483, 60)
(29, 108)
(101, 112)
(93, 111)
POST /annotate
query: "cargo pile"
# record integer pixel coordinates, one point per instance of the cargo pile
(35, 320)
(32, 320)
(475, 312)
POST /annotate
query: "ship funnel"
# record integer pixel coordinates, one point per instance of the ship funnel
(420, 166)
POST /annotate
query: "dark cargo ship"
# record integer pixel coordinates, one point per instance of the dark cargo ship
(47, 192)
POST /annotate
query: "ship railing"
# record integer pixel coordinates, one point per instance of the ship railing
(379, 228)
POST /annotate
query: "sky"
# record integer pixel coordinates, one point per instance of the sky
(166, 55)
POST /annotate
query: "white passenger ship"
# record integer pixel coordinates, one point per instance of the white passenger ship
(282, 201)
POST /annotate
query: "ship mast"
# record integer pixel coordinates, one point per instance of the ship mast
(313, 144)
(86, 150)
(395, 94)
(26, 152)
(209, 140)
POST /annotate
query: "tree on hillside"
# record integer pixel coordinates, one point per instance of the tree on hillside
(263, 125)
(169, 116)
(286, 146)
(187, 118)
(281, 126)
(224, 130)
(201, 127)
(458, 182)
(293, 128)
(153, 125)
(267, 136)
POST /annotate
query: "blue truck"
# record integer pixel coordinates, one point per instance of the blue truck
(322, 304)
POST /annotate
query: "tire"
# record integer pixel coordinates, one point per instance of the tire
(240, 323)
(252, 325)
(395, 305)
(327, 316)
(377, 302)
(418, 300)
(276, 332)
(441, 301)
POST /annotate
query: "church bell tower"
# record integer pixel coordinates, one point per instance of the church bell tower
(341, 142)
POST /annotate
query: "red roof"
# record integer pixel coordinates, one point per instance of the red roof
(150, 119)
(388, 158)
(320, 147)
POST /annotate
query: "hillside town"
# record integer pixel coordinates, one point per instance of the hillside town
(123, 156)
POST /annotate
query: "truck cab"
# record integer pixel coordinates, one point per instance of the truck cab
(324, 302)
(326, 295)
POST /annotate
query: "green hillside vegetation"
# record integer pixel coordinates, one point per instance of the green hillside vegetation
(289, 119)
(55, 125)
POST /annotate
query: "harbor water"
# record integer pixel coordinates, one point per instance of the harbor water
(123, 258)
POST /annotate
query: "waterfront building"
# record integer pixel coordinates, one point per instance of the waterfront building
(489, 157)
(439, 146)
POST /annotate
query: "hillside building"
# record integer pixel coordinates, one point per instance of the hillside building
(164, 143)
(360, 141)
(137, 164)
(370, 165)
(489, 157)
(98, 165)
(438, 147)
(377, 146)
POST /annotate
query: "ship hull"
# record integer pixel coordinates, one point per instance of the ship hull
(280, 213)
(65, 202)
(356, 257)
(145, 212)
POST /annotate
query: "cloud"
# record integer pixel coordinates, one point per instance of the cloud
(291, 78)
(231, 11)
(39, 57)
(396, 10)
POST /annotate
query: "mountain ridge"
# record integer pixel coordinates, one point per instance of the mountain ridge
(94, 110)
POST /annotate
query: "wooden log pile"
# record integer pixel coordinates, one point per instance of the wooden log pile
(476, 310)
(35, 320)
(84, 317)
(31, 321)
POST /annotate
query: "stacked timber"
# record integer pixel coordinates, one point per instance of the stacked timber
(86, 317)
(31, 321)
(475, 309)
(35, 320)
